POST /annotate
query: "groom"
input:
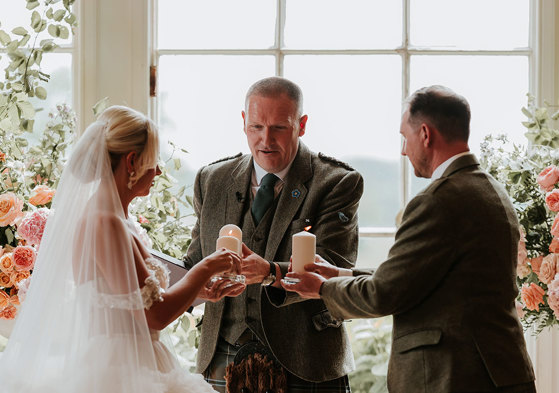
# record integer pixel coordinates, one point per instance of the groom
(276, 191)
(449, 280)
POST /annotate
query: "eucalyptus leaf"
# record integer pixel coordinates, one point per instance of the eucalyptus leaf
(54, 31)
(19, 31)
(64, 32)
(177, 163)
(100, 106)
(31, 4)
(4, 38)
(50, 13)
(41, 92)
(58, 15)
(24, 40)
(35, 19)
(27, 110)
(9, 235)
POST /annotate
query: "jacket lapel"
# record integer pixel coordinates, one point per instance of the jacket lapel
(237, 192)
(291, 198)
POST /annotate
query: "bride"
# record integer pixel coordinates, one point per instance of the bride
(97, 300)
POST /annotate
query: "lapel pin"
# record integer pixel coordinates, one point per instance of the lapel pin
(295, 193)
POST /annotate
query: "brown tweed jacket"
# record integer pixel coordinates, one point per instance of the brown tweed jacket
(449, 282)
(317, 191)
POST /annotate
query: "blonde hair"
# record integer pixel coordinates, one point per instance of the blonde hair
(129, 130)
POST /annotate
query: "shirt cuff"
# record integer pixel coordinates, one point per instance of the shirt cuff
(342, 272)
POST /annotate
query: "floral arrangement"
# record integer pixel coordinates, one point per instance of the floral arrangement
(530, 175)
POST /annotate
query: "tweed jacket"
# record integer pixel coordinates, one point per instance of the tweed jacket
(318, 191)
(449, 282)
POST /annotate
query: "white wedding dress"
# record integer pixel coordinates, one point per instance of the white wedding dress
(82, 327)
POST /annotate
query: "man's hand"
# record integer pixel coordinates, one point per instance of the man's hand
(308, 286)
(323, 267)
(216, 291)
(253, 266)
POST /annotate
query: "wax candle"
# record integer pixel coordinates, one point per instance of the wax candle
(228, 242)
(235, 231)
(303, 250)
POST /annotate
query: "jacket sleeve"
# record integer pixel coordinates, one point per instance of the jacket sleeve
(336, 230)
(418, 261)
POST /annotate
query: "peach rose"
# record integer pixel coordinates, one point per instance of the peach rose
(519, 309)
(554, 245)
(7, 263)
(4, 299)
(10, 209)
(5, 280)
(532, 296)
(548, 177)
(8, 312)
(552, 200)
(553, 295)
(2, 157)
(548, 269)
(41, 195)
(555, 227)
(24, 257)
(18, 276)
(536, 263)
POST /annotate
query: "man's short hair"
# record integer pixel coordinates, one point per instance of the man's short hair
(275, 86)
(443, 109)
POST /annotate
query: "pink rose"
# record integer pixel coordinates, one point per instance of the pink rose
(24, 258)
(519, 309)
(41, 195)
(10, 209)
(548, 177)
(532, 296)
(554, 246)
(548, 269)
(32, 226)
(555, 227)
(553, 295)
(552, 200)
(536, 263)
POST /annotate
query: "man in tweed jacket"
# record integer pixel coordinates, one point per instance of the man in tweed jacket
(449, 280)
(311, 190)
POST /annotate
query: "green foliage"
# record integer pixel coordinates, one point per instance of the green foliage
(517, 169)
(370, 341)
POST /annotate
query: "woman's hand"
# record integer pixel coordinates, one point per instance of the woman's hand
(222, 261)
(217, 290)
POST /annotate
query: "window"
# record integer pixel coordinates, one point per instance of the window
(355, 61)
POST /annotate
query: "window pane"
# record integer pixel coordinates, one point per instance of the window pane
(373, 251)
(201, 99)
(14, 14)
(495, 87)
(474, 24)
(352, 24)
(353, 103)
(212, 24)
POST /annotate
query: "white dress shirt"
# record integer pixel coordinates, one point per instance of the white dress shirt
(437, 173)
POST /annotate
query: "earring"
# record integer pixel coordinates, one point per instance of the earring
(130, 180)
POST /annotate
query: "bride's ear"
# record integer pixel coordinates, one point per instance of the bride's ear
(130, 161)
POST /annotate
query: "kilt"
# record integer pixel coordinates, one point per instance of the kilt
(225, 353)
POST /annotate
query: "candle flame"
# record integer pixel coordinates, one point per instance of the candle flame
(308, 228)
(230, 233)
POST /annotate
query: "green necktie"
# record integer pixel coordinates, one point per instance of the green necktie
(264, 197)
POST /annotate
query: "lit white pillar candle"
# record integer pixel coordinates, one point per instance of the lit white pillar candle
(303, 250)
(228, 242)
(235, 231)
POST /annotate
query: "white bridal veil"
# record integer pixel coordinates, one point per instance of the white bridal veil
(82, 326)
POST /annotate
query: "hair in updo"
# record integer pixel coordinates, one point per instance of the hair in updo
(129, 130)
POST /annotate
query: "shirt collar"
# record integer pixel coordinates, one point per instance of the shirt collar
(437, 173)
(260, 172)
